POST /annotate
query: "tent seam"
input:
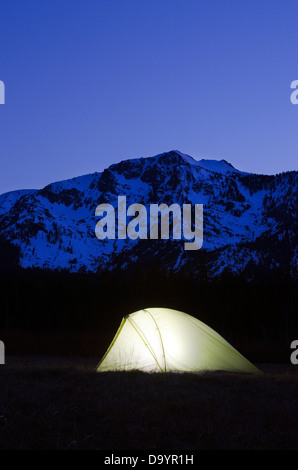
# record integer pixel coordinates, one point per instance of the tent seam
(149, 349)
(113, 341)
(163, 350)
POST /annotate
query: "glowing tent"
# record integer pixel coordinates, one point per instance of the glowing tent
(164, 340)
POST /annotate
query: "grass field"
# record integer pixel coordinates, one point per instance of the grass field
(53, 403)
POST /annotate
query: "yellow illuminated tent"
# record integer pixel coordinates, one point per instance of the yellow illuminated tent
(164, 340)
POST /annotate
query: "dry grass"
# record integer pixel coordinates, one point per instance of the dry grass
(52, 403)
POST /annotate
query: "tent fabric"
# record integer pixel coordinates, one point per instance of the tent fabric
(164, 340)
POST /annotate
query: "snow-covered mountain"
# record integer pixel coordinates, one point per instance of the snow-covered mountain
(250, 221)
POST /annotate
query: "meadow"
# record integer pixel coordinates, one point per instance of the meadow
(56, 327)
(51, 402)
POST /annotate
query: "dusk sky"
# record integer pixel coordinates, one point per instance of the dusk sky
(91, 82)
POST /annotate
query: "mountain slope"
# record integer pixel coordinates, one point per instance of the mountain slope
(250, 221)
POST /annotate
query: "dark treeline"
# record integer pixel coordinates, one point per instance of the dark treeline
(34, 300)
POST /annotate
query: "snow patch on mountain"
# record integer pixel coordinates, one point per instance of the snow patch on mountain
(244, 215)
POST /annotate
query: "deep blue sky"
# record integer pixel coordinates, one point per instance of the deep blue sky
(92, 82)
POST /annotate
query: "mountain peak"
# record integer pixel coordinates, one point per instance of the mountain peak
(218, 166)
(185, 157)
(55, 227)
